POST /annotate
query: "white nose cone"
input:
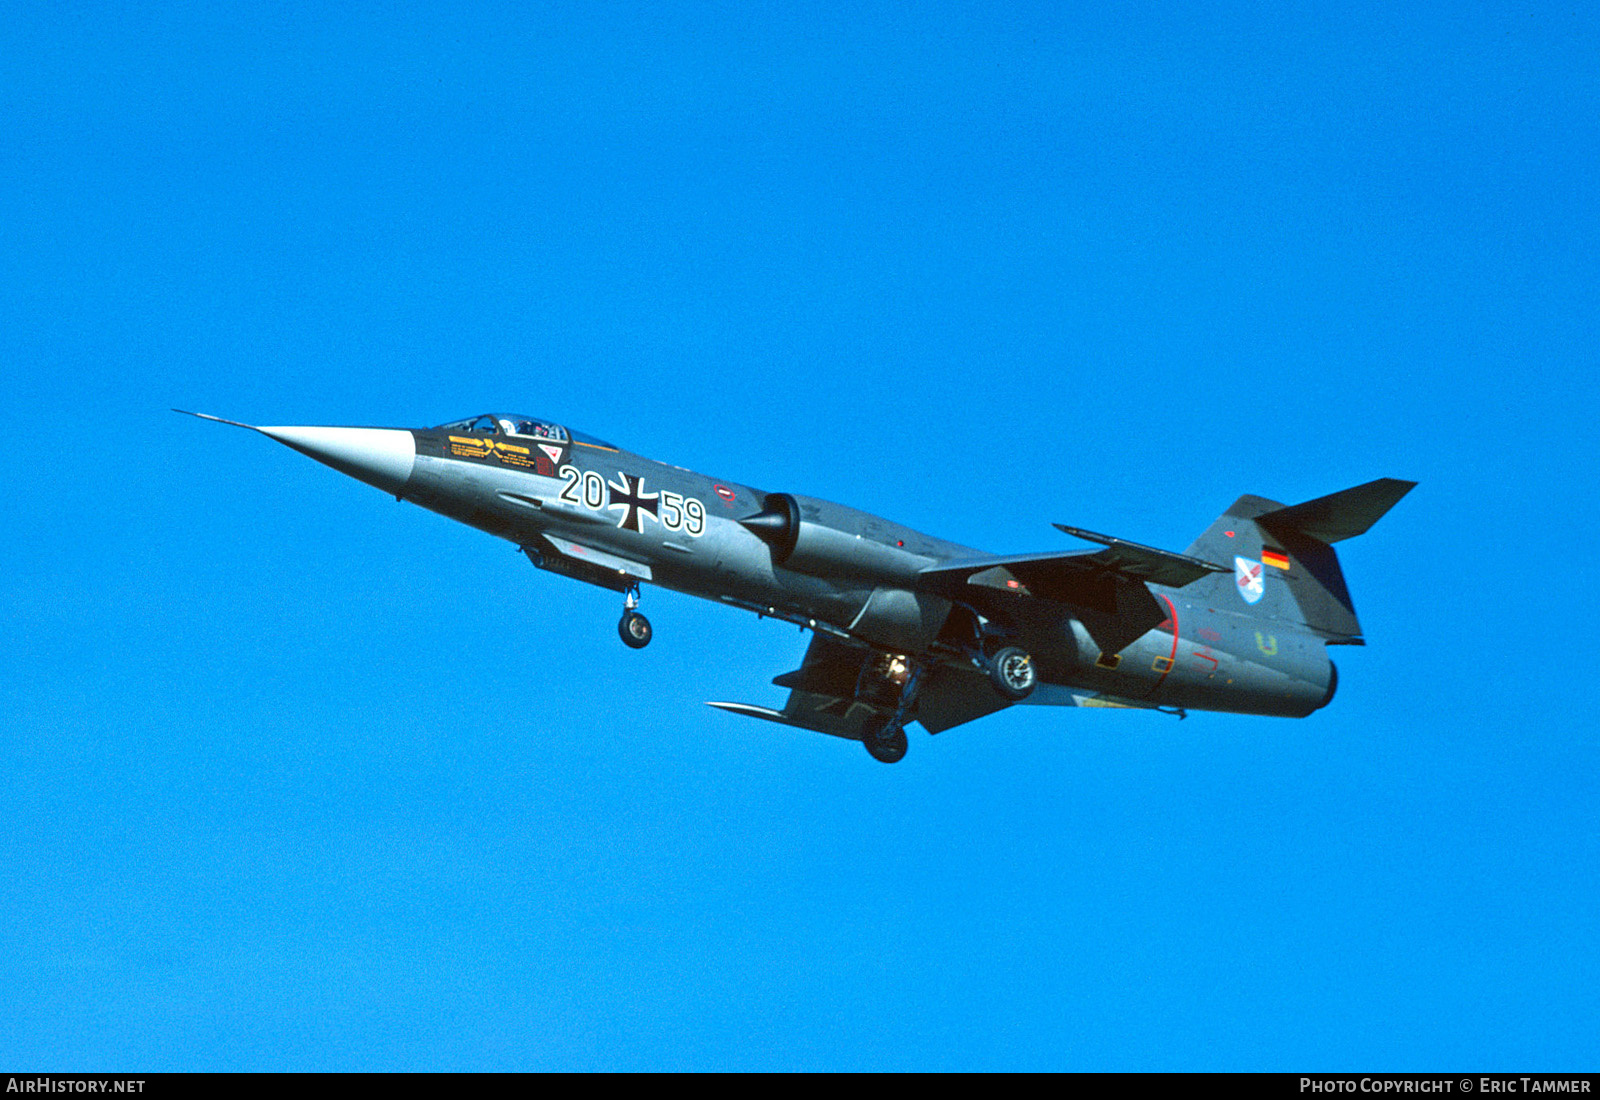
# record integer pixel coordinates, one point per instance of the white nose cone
(379, 456)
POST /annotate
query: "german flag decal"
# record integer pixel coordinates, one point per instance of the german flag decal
(1275, 558)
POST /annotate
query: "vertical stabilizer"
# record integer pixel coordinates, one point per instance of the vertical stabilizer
(1284, 565)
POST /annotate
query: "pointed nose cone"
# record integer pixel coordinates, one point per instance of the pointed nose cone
(379, 456)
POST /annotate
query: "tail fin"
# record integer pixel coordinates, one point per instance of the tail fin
(1284, 565)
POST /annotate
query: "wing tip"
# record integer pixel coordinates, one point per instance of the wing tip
(749, 709)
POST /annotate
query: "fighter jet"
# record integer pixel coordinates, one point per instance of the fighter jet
(905, 627)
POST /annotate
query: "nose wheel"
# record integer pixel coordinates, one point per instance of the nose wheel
(633, 628)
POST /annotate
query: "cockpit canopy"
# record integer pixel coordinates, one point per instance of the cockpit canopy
(526, 427)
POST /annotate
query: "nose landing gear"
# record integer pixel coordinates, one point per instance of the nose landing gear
(634, 628)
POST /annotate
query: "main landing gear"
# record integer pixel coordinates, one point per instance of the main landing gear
(1010, 668)
(1012, 673)
(885, 740)
(889, 681)
(892, 681)
(633, 628)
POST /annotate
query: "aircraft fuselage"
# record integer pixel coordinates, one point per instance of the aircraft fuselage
(635, 520)
(907, 627)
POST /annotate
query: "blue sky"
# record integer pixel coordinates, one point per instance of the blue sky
(297, 777)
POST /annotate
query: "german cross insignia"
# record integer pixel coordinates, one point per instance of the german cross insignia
(631, 497)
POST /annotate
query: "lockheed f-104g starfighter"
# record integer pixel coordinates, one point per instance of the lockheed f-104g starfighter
(906, 627)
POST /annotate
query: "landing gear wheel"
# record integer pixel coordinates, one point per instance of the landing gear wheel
(1012, 673)
(886, 744)
(634, 629)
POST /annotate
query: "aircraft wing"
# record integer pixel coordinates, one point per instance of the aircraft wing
(1073, 576)
(1108, 587)
(822, 694)
(1134, 559)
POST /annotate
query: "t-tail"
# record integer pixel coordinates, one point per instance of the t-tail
(1283, 559)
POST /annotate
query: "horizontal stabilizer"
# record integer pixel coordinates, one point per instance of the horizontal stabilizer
(1342, 515)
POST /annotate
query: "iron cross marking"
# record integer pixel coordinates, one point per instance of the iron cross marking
(631, 497)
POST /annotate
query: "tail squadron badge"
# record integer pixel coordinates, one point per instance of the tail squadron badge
(1252, 585)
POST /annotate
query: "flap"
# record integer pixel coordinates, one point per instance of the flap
(821, 692)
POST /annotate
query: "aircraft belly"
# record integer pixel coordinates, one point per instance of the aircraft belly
(1213, 662)
(743, 573)
(1287, 676)
(1135, 672)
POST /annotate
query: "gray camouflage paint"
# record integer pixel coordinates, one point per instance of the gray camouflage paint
(865, 584)
(1221, 657)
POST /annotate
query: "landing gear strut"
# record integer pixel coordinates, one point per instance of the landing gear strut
(889, 679)
(634, 628)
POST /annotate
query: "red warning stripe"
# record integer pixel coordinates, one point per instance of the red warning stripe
(1172, 660)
